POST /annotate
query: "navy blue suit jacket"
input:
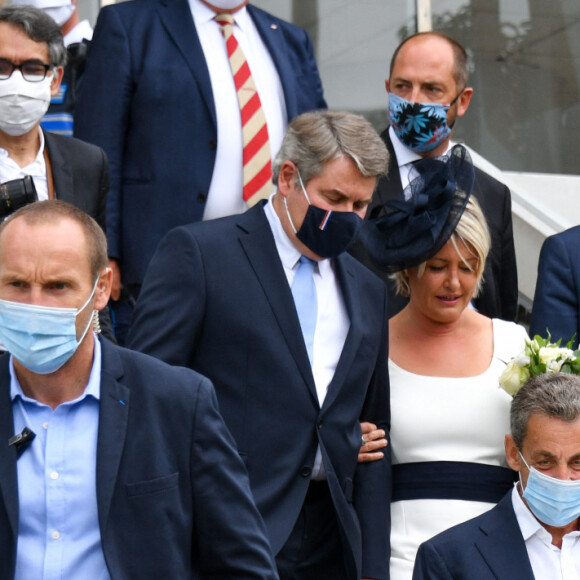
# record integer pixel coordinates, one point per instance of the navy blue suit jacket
(147, 101)
(488, 547)
(557, 299)
(498, 297)
(216, 299)
(172, 493)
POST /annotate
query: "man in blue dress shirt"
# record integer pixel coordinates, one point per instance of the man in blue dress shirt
(112, 464)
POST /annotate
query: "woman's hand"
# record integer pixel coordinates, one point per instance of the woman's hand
(374, 440)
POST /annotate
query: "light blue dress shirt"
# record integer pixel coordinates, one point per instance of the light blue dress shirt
(58, 527)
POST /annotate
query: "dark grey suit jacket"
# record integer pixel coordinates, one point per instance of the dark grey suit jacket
(81, 174)
(81, 177)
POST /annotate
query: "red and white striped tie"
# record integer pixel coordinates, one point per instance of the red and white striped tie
(257, 158)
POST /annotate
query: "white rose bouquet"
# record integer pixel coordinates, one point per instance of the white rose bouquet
(539, 356)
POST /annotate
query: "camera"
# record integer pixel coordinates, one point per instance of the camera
(15, 194)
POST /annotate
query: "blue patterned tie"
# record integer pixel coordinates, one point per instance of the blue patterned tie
(304, 292)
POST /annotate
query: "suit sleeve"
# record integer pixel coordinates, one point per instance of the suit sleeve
(313, 76)
(429, 565)
(229, 536)
(508, 287)
(556, 305)
(102, 111)
(103, 192)
(171, 304)
(373, 486)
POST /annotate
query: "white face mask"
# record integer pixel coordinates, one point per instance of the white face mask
(22, 104)
(60, 14)
(59, 10)
(225, 4)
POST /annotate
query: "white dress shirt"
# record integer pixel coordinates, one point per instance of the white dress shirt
(332, 322)
(406, 157)
(548, 561)
(81, 31)
(226, 188)
(10, 170)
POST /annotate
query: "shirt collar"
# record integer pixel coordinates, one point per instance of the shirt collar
(289, 254)
(80, 32)
(202, 14)
(37, 168)
(529, 525)
(93, 388)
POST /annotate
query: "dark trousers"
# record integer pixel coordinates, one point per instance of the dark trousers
(314, 550)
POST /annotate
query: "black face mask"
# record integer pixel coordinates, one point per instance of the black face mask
(327, 233)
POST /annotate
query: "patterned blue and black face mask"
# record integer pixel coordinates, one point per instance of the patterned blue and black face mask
(419, 126)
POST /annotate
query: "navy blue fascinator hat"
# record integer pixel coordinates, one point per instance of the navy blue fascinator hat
(414, 226)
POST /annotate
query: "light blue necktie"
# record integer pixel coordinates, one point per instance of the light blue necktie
(304, 292)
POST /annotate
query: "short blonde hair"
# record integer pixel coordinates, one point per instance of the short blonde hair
(472, 230)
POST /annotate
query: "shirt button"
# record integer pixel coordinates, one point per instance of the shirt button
(54, 475)
(45, 425)
(55, 535)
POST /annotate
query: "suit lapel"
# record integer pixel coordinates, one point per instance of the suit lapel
(273, 38)
(390, 185)
(178, 21)
(350, 294)
(61, 170)
(8, 477)
(501, 529)
(260, 248)
(113, 418)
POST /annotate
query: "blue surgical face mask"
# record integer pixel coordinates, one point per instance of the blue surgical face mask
(555, 502)
(41, 338)
(327, 233)
(419, 126)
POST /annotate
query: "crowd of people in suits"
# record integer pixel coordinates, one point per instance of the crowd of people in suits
(310, 384)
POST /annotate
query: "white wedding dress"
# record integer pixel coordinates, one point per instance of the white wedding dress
(446, 419)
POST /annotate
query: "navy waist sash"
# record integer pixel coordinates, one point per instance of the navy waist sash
(451, 480)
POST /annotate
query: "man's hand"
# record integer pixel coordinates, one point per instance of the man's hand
(374, 440)
(116, 282)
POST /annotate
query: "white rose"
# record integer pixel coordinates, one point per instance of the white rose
(547, 354)
(513, 377)
(522, 360)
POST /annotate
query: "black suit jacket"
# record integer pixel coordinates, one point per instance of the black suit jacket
(499, 294)
(216, 299)
(488, 547)
(172, 493)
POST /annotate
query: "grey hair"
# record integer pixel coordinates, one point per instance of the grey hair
(472, 230)
(39, 27)
(317, 137)
(552, 394)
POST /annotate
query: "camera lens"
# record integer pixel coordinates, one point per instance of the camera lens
(15, 194)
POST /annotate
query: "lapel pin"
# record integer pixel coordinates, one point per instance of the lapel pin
(274, 26)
